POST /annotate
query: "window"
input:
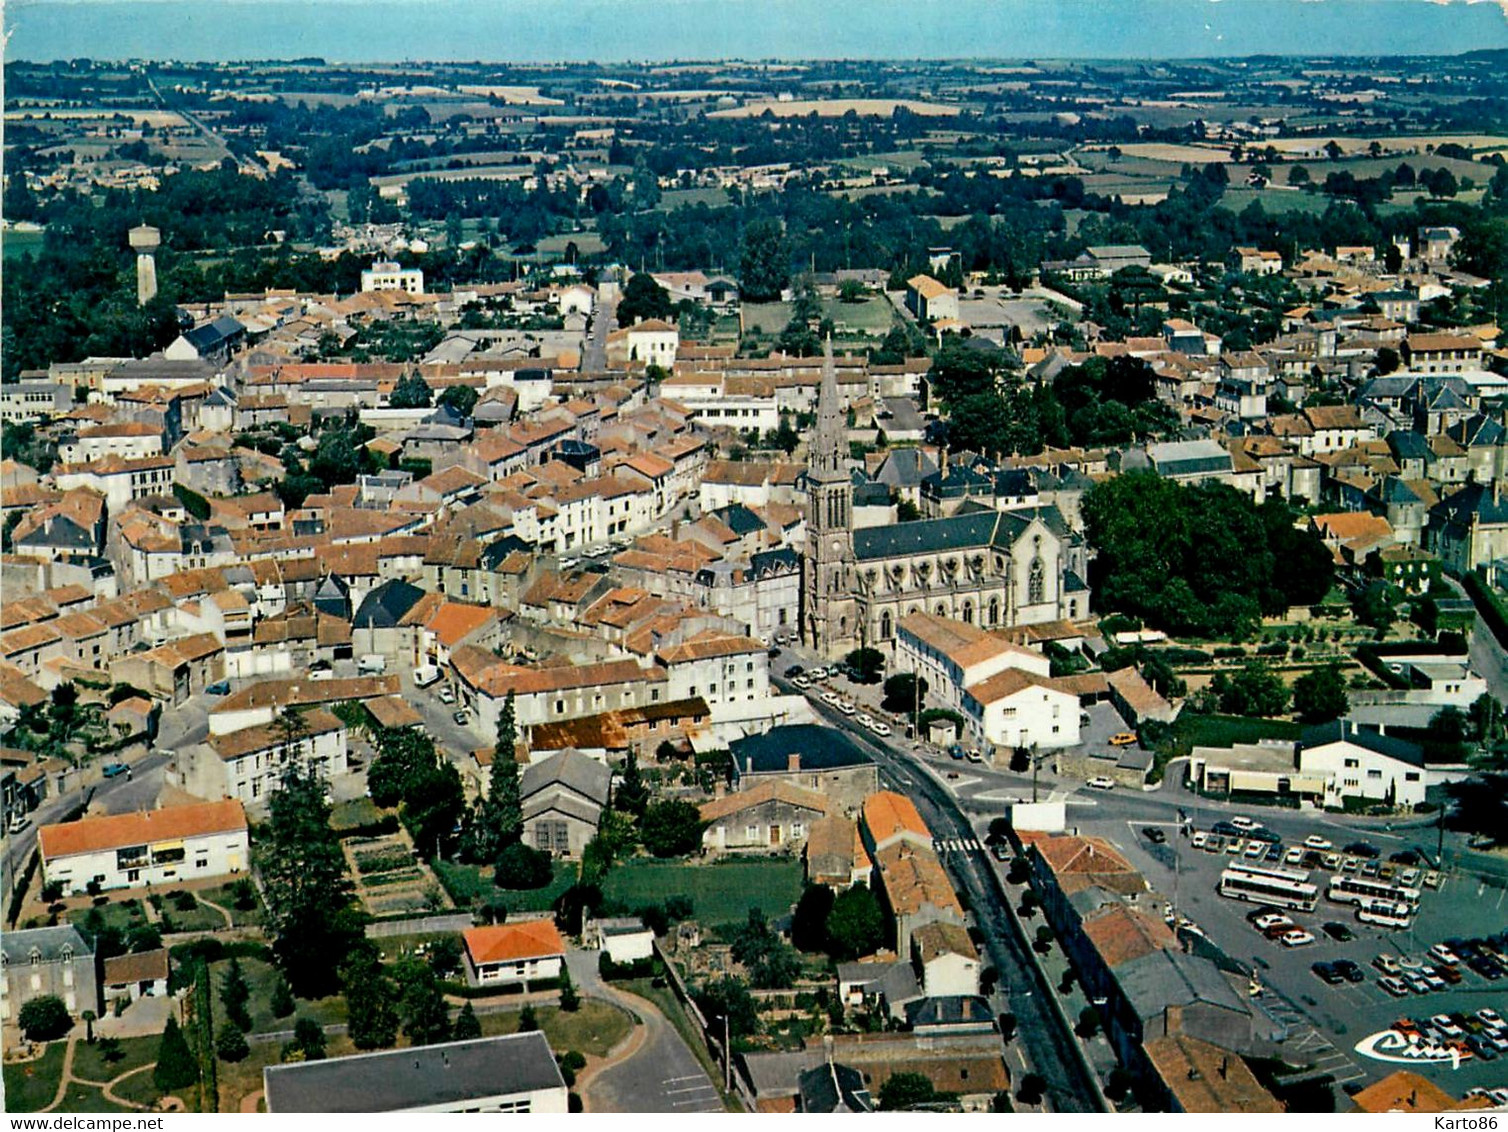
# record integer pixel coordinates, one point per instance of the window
(1411, 776)
(1351, 763)
(1374, 774)
(1036, 583)
(752, 833)
(559, 707)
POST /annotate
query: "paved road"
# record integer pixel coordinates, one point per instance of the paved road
(115, 795)
(662, 1076)
(594, 350)
(1050, 1048)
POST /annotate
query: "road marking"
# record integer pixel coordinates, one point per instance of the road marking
(678, 1080)
(689, 1089)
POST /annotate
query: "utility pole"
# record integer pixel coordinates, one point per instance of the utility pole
(727, 1059)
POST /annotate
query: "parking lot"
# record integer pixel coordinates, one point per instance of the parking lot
(1322, 1022)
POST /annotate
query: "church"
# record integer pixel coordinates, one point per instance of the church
(983, 566)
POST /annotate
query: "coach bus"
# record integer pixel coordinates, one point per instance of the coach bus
(1282, 888)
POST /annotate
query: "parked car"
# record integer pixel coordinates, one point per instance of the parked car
(1255, 850)
(218, 688)
(1387, 964)
(847, 707)
(447, 695)
(1101, 782)
(1432, 879)
(880, 729)
(1198, 840)
(1362, 849)
(1154, 835)
(1444, 955)
(462, 717)
(1446, 1025)
(1272, 920)
(1393, 985)
(1350, 971)
(1244, 824)
(1297, 937)
(1293, 856)
(114, 770)
(802, 682)
(1339, 932)
(793, 671)
(1315, 841)
(1369, 869)
(1123, 739)
(1327, 972)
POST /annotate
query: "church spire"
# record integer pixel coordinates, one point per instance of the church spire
(829, 450)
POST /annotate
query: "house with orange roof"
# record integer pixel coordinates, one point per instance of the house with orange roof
(720, 667)
(1406, 1091)
(893, 819)
(770, 817)
(134, 850)
(835, 853)
(454, 624)
(513, 954)
(914, 889)
(953, 655)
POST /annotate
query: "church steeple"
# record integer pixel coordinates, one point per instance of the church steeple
(829, 450)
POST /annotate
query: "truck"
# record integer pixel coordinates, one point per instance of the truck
(425, 675)
(372, 664)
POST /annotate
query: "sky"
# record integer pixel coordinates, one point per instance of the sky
(656, 30)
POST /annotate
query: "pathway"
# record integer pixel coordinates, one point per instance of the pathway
(251, 1101)
(657, 1072)
(108, 1088)
(230, 920)
(65, 1076)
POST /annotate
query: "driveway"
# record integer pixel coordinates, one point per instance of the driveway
(662, 1075)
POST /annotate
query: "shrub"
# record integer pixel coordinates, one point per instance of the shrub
(176, 1064)
(231, 1045)
(44, 1019)
(184, 901)
(520, 866)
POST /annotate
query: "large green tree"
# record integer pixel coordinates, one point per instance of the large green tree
(176, 1068)
(856, 925)
(372, 1018)
(311, 917)
(497, 820)
(1320, 696)
(642, 298)
(426, 1019)
(764, 264)
(672, 828)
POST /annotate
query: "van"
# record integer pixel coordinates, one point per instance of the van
(372, 664)
(425, 675)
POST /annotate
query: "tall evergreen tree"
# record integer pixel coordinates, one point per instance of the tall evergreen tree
(426, 1020)
(371, 1016)
(311, 918)
(632, 795)
(176, 1065)
(467, 1026)
(235, 993)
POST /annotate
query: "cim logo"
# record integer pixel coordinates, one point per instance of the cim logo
(1390, 1045)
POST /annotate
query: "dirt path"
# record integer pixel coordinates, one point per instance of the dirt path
(230, 921)
(64, 1077)
(250, 1101)
(109, 1087)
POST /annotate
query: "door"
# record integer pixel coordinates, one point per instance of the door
(774, 834)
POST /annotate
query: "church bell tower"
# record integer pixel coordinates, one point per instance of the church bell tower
(829, 614)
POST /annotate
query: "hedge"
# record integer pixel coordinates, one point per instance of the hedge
(1488, 604)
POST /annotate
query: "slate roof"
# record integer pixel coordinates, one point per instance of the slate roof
(213, 335)
(1474, 501)
(1188, 457)
(577, 772)
(386, 605)
(1343, 730)
(950, 1010)
(1162, 978)
(48, 942)
(424, 1077)
(739, 519)
(834, 1088)
(819, 748)
(964, 531)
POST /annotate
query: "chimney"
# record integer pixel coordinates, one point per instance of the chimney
(793, 762)
(1224, 1067)
(1413, 1100)
(942, 461)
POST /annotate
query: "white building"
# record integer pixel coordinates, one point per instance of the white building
(946, 960)
(1363, 764)
(651, 341)
(625, 939)
(951, 656)
(392, 277)
(718, 667)
(119, 480)
(161, 847)
(248, 764)
(1021, 709)
(513, 954)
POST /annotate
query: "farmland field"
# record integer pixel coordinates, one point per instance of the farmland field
(720, 893)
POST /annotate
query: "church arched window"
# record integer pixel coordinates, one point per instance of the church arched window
(885, 625)
(968, 613)
(994, 611)
(1036, 583)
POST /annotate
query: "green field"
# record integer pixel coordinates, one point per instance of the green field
(466, 883)
(1226, 730)
(31, 1084)
(594, 1029)
(16, 244)
(721, 893)
(672, 199)
(262, 977)
(587, 243)
(89, 1062)
(873, 317)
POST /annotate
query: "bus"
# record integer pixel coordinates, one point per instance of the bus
(1282, 888)
(1386, 913)
(1358, 890)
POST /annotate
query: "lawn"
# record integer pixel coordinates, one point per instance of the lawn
(201, 918)
(721, 893)
(29, 1085)
(594, 1029)
(225, 897)
(263, 977)
(355, 814)
(89, 1062)
(87, 1098)
(1226, 730)
(672, 199)
(123, 915)
(467, 882)
(874, 316)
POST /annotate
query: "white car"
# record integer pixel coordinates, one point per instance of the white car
(817, 673)
(866, 719)
(447, 695)
(1445, 955)
(1490, 1018)
(847, 707)
(1101, 782)
(1444, 1024)
(1315, 841)
(322, 674)
(880, 729)
(1270, 920)
(1294, 856)
(802, 682)
(1256, 850)
(1246, 825)
(1199, 839)
(568, 563)
(1296, 938)
(830, 698)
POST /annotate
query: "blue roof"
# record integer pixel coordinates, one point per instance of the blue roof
(817, 747)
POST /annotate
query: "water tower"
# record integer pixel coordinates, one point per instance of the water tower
(145, 239)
